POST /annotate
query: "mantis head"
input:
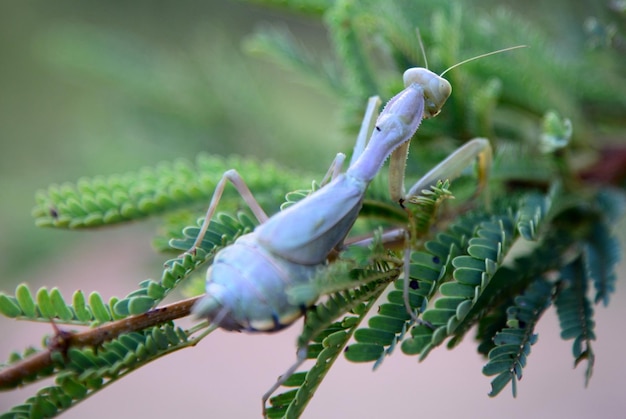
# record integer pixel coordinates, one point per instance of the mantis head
(436, 89)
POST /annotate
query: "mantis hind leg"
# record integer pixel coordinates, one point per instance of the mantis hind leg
(301, 357)
(235, 178)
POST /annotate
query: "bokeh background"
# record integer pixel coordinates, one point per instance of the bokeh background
(90, 88)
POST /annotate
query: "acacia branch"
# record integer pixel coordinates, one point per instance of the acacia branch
(14, 374)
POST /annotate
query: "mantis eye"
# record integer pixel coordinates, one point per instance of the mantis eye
(436, 89)
(436, 94)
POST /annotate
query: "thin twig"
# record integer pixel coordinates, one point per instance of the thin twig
(14, 374)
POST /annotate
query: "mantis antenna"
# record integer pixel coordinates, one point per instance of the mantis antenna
(479, 56)
(419, 39)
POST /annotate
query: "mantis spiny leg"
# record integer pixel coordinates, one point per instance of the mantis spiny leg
(450, 168)
(455, 163)
(235, 178)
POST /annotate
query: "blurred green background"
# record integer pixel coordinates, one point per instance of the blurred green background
(90, 88)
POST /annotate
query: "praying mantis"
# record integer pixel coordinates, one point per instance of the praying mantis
(247, 284)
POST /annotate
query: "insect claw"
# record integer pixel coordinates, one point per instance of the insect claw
(191, 252)
(421, 322)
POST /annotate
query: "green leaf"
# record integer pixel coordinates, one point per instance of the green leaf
(498, 383)
(46, 308)
(575, 312)
(513, 343)
(467, 276)
(73, 388)
(9, 306)
(454, 289)
(480, 251)
(438, 316)
(121, 308)
(139, 305)
(99, 309)
(385, 323)
(374, 336)
(497, 367)
(82, 358)
(26, 301)
(469, 262)
(83, 313)
(61, 309)
(448, 303)
(156, 291)
(363, 352)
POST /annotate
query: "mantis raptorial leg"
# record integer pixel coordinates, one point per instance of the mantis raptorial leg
(450, 168)
(477, 149)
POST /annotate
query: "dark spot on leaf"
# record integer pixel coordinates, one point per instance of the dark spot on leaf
(414, 285)
(346, 350)
(54, 213)
(436, 260)
(377, 128)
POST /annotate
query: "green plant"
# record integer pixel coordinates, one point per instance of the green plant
(545, 239)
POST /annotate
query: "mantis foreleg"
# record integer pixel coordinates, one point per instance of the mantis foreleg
(455, 163)
(450, 168)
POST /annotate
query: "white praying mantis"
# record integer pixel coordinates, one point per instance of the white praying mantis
(247, 284)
